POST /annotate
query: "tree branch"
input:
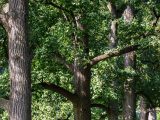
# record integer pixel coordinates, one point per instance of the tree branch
(157, 16)
(112, 9)
(47, 2)
(4, 104)
(101, 106)
(63, 61)
(113, 53)
(70, 96)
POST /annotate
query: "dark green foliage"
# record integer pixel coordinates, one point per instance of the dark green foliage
(50, 33)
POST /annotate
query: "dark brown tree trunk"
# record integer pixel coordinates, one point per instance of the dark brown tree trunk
(129, 102)
(19, 61)
(113, 110)
(82, 109)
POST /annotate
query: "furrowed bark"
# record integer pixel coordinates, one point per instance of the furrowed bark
(19, 61)
(13, 17)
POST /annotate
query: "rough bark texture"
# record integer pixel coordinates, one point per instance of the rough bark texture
(129, 86)
(19, 61)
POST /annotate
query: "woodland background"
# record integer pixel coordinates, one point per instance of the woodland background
(65, 36)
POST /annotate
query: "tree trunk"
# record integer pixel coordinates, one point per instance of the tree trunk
(113, 104)
(143, 109)
(113, 110)
(129, 85)
(19, 61)
(129, 90)
(129, 100)
(112, 35)
(82, 109)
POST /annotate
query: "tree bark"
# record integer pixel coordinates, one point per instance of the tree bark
(82, 109)
(113, 103)
(112, 35)
(143, 109)
(19, 61)
(129, 90)
(129, 85)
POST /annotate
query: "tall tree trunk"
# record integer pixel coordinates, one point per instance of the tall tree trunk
(82, 75)
(129, 85)
(19, 61)
(113, 104)
(82, 109)
(129, 90)
(143, 109)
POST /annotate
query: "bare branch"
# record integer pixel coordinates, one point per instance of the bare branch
(4, 104)
(70, 96)
(113, 53)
